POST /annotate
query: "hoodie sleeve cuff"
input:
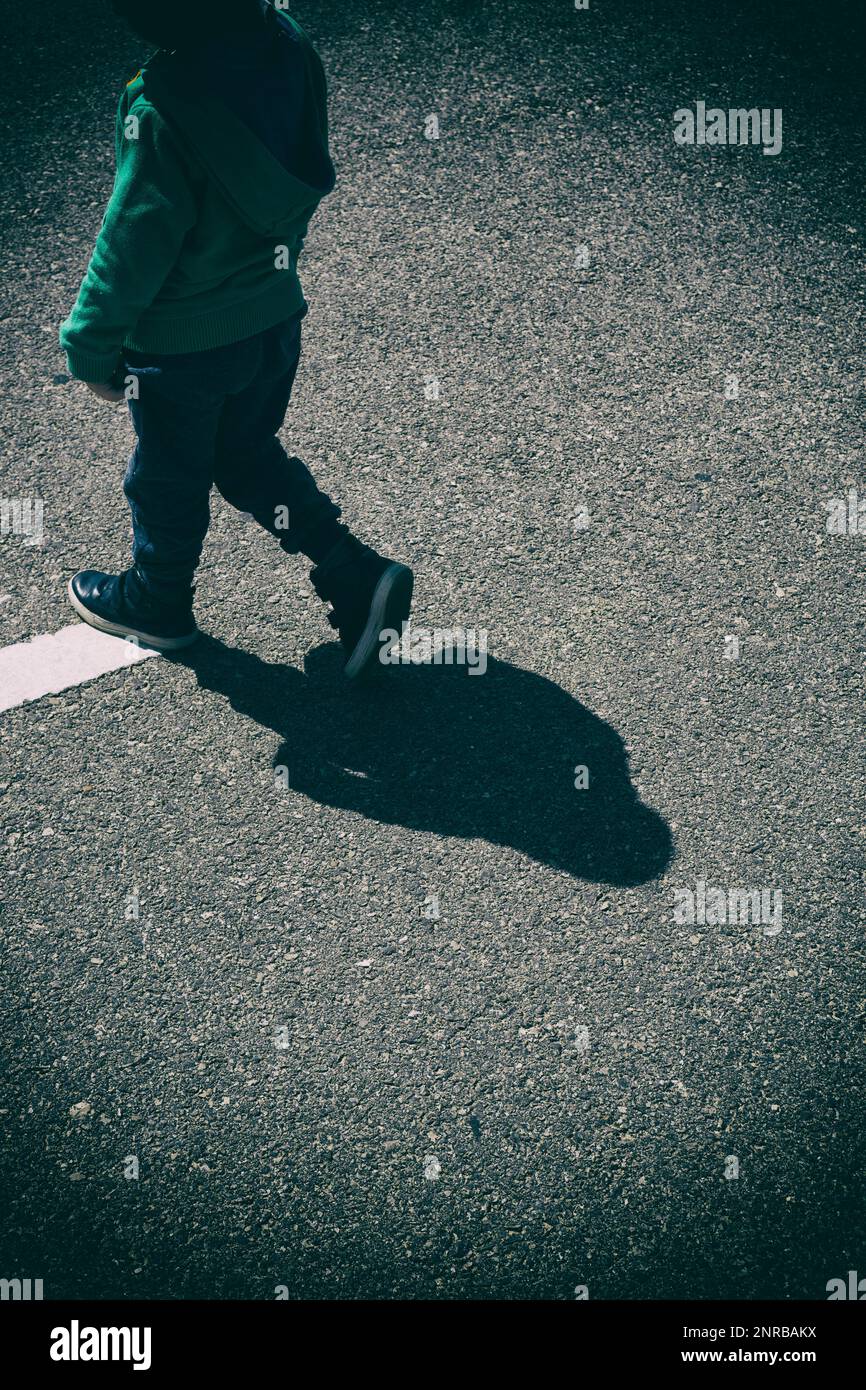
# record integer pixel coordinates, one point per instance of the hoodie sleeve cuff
(95, 369)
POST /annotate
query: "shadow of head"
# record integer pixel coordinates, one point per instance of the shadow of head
(505, 756)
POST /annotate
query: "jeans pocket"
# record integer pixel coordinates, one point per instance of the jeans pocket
(203, 376)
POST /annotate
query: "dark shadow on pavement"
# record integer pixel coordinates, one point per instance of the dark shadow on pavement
(437, 749)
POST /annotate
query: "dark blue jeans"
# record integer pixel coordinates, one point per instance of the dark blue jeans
(205, 418)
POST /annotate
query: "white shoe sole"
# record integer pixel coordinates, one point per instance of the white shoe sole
(389, 608)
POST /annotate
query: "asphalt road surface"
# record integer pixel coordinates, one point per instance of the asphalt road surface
(356, 994)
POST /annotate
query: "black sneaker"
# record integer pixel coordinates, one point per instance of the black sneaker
(369, 595)
(104, 602)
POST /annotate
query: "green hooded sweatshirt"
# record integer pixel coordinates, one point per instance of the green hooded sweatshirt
(200, 239)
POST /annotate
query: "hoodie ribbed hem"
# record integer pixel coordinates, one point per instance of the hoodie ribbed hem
(228, 324)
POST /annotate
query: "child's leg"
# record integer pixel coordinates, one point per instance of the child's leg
(369, 594)
(251, 467)
(176, 413)
(177, 419)
(213, 416)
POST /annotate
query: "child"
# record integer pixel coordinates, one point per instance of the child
(192, 297)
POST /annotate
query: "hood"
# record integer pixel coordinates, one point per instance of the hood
(252, 109)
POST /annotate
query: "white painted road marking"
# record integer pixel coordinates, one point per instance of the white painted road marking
(57, 660)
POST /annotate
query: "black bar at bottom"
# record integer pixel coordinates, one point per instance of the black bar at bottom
(165, 1338)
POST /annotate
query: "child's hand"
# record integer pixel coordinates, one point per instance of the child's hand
(105, 392)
